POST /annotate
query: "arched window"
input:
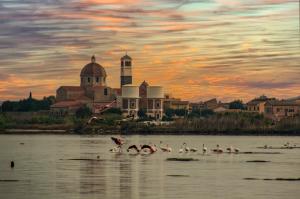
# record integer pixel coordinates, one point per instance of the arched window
(89, 80)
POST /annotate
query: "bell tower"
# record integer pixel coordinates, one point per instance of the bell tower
(126, 75)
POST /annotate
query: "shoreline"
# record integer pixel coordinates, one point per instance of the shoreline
(179, 133)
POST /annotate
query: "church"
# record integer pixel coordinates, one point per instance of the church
(93, 91)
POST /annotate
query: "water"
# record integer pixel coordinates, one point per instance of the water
(43, 171)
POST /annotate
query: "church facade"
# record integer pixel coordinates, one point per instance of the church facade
(92, 92)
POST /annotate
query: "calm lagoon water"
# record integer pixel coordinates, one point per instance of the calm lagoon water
(43, 171)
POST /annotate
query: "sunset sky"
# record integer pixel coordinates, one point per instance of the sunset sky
(196, 49)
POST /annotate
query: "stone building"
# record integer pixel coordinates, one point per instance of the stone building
(279, 109)
(92, 92)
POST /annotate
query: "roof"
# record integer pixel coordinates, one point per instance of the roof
(93, 69)
(254, 102)
(214, 100)
(126, 57)
(71, 88)
(144, 83)
(180, 102)
(260, 99)
(282, 103)
(64, 104)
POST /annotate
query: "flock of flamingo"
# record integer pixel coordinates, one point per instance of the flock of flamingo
(152, 148)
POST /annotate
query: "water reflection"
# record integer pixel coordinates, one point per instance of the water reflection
(44, 168)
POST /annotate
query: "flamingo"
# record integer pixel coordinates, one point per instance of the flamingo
(186, 148)
(166, 149)
(230, 149)
(115, 150)
(204, 149)
(152, 149)
(218, 149)
(236, 150)
(91, 119)
(118, 141)
(133, 147)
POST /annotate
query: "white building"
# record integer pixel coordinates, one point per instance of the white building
(155, 96)
(129, 100)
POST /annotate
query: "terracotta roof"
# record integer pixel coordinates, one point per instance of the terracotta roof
(180, 102)
(71, 88)
(282, 103)
(214, 100)
(64, 104)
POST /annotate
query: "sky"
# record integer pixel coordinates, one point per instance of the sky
(196, 49)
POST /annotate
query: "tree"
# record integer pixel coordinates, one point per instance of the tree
(83, 112)
(29, 104)
(142, 113)
(180, 112)
(114, 111)
(236, 104)
(170, 112)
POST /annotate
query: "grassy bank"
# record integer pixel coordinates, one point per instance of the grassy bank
(213, 124)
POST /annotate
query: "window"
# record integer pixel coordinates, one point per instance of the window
(97, 79)
(132, 105)
(157, 105)
(278, 110)
(127, 63)
(89, 80)
(122, 64)
(125, 104)
(105, 91)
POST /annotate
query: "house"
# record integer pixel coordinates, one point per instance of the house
(279, 109)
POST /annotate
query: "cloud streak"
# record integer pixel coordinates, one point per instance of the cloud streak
(199, 47)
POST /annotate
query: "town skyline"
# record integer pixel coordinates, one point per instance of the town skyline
(196, 50)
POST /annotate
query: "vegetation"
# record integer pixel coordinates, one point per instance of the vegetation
(236, 104)
(27, 105)
(83, 112)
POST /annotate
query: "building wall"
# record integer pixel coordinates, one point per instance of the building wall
(64, 94)
(104, 94)
(278, 112)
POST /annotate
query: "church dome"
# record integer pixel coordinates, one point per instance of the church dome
(93, 69)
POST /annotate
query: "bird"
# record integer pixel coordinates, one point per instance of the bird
(218, 149)
(165, 148)
(12, 164)
(133, 147)
(193, 150)
(230, 149)
(236, 150)
(186, 148)
(115, 150)
(118, 141)
(152, 149)
(91, 119)
(204, 149)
